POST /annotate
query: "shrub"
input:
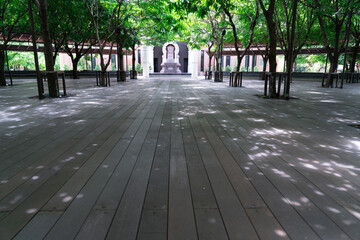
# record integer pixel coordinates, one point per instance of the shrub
(138, 68)
(97, 67)
(228, 68)
(66, 67)
(256, 69)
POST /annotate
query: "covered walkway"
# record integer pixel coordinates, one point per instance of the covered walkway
(179, 158)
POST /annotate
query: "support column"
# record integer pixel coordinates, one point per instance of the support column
(145, 60)
(194, 62)
(151, 58)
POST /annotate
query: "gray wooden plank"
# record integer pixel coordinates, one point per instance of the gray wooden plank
(96, 225)
(287, 171)
(152, 236)
(236, 221)
(181, 222)
(210, 224)
(201, 191)
(153, 223)
(126, 220)
(74, 184)
(80, 207)
(38, 226)
(283, 211)
(261, 217)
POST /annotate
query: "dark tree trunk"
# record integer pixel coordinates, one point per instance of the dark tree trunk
(217, 64)
(290, 54)
(210, 58)
(269, 15)
(2, 68)
(75, 73)
(121, 61)
(48, 52)
(133, 58)
(103, 78)
(265, 60)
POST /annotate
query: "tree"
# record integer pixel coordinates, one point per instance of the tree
(294, 23)
(103, 17)
(79, 34)
(355, 36)
(198, 32)
(246, 13)
(268, 11)
(332, 23)
(12, 16)
(53, 85)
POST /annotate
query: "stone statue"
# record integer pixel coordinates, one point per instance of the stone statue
(170, 51)
(171, 64)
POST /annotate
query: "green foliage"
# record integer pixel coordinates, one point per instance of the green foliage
(97, 67)
(242, 69)
(25, 61)
(138, 68)
(57, 65)
(228, 68)
(66, 67)
(113, 68)
(256, 69)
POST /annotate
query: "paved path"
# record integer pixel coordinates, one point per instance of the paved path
(172, 158)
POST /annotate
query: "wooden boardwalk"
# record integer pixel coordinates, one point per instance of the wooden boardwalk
(179, 159)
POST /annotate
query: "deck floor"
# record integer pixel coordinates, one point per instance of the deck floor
(177, 158)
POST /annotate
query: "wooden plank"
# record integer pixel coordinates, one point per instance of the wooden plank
(74, 184)
(262, 217)
(96, 225)
(43, 194)
(283, 211)
(304, 185)
(126, 220)
(76, 147)
(69, 160)
(38, 226)
(236, 221)
(210, 224)
(153, 223)
(80, 207)
(3, 214)
(181, 222)
(201, 191)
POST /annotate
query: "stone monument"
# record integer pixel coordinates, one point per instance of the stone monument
(170, 59)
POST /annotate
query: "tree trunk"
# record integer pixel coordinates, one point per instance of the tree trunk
(133, 75)
(75, 73)
(48, 52)
(121, 61)
(2, 68)
(333, 68)
(133, 58)
(103, 78)
(290, 55)
(265, 60)
(209, 74)
(210, 58)
(217, 64)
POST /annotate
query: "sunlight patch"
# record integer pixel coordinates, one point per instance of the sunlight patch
(280, 233)
(31, 211)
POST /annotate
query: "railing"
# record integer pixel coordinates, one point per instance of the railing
(270, 77)
(235, 79)
(98, 79)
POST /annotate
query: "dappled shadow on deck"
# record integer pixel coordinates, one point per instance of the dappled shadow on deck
(180, 159)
